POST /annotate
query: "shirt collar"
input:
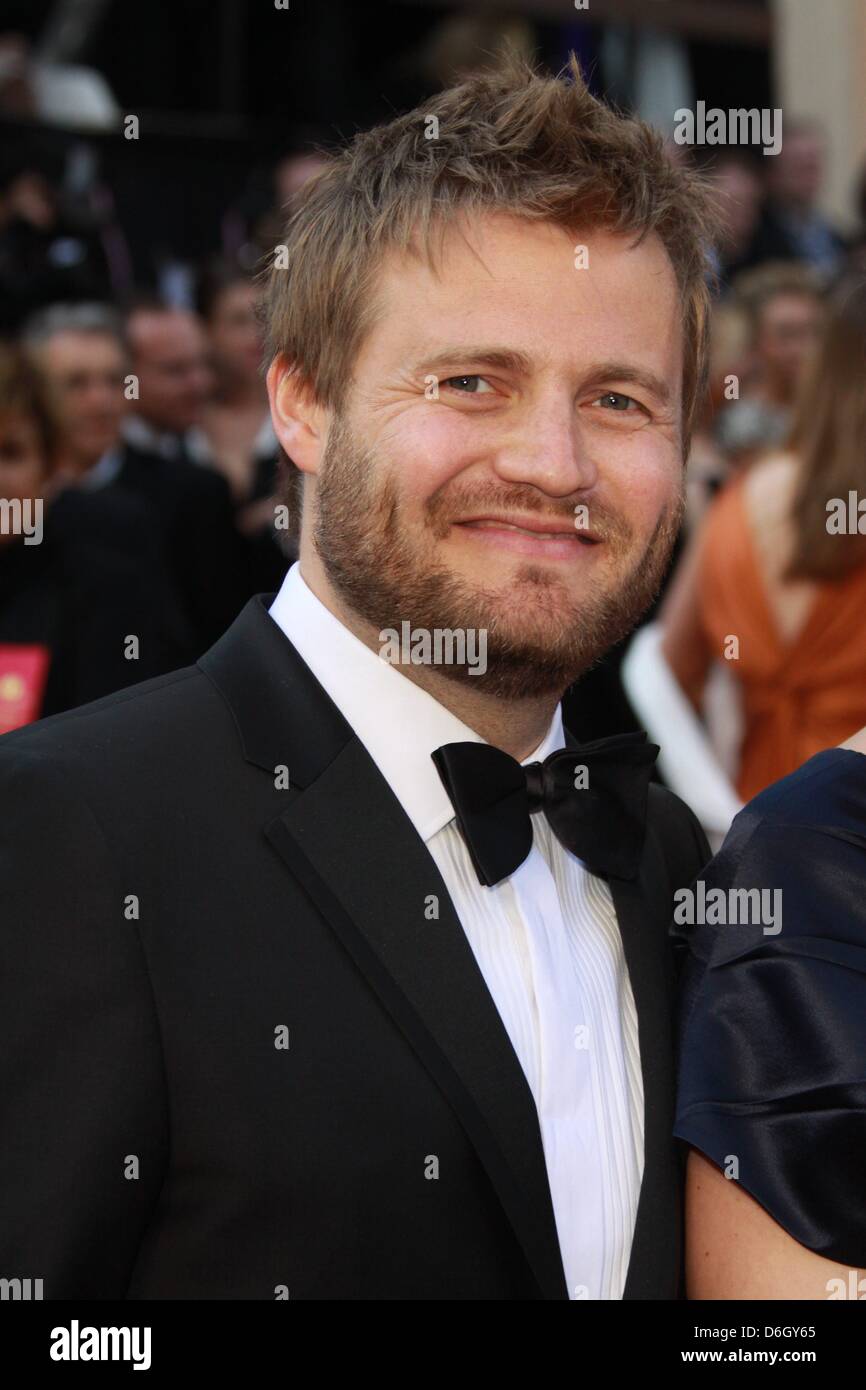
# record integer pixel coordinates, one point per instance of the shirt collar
(200, 450)
(398, 723)
(103, 472)
(141, 434)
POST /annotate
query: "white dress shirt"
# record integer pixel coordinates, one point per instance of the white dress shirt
(141, 434)
(546, 941)
(192, 444)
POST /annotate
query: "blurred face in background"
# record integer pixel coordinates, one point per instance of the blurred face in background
(170, 359)
(796, 173)
(787, 333)
(24, 467)
(87, 373)
(730, 342)
(739, 193)
(235, 337)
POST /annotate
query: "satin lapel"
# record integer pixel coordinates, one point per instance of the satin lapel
(346, 839)
(656, 1244)
(643, 910)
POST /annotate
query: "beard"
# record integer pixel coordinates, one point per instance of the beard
(539, 638)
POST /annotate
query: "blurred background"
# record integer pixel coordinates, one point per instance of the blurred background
(148, 157)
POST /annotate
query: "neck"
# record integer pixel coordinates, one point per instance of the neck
(515, 726)
(155, 425)
(80, 464)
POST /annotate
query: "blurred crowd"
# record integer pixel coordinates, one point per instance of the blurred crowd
(755, 657)
(136, 425)
(140, 420)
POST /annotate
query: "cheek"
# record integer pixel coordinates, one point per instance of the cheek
(427, 449)
(20, 480)
(646, 482)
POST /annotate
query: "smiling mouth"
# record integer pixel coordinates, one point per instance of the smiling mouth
(562, 535)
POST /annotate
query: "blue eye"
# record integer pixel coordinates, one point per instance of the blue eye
(618, 401)
(467, 389)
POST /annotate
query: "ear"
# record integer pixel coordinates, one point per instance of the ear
(299, 422)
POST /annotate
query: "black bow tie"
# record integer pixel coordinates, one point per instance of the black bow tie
(593, 794)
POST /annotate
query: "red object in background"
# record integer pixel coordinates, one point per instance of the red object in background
(23, 672)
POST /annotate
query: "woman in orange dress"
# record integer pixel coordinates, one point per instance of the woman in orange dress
(776, 580)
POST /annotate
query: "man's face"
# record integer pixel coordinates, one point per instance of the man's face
(171, 362)
(87, 371)
(739, 192)
(796, 172)
(787, 334)
(509, 458)
(235, 335)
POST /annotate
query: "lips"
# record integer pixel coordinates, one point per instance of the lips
(535, 538)
(534, 528)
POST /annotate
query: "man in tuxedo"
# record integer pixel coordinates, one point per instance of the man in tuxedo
(169, 354)
(335, 967)
(167, 459)
(93, 577)
(187, 509)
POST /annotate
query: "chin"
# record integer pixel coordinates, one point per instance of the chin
(532, 606)
(518, 670)
(523, 581)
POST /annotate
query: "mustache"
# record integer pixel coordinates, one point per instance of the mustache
(600, 519)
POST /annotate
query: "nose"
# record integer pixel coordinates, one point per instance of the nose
(102, 397)
(202, 379)
(547, 450)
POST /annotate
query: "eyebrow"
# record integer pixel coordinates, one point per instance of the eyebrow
(502, 359)
(511, 360)
(638, 376)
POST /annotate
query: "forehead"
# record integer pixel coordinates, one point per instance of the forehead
(80, 352)
(787, 304)
(164, 334)
(527, 286)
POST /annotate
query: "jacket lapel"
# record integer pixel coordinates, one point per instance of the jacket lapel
(656, 1243)
(344, 836)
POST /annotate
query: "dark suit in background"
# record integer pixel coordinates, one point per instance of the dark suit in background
(207, 557)
(99, 575)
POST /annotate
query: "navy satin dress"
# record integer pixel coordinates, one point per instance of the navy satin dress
(772, 1027)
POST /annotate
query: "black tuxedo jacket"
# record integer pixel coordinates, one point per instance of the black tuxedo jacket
(195, 520)
(99, 574)
(234, 1051)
